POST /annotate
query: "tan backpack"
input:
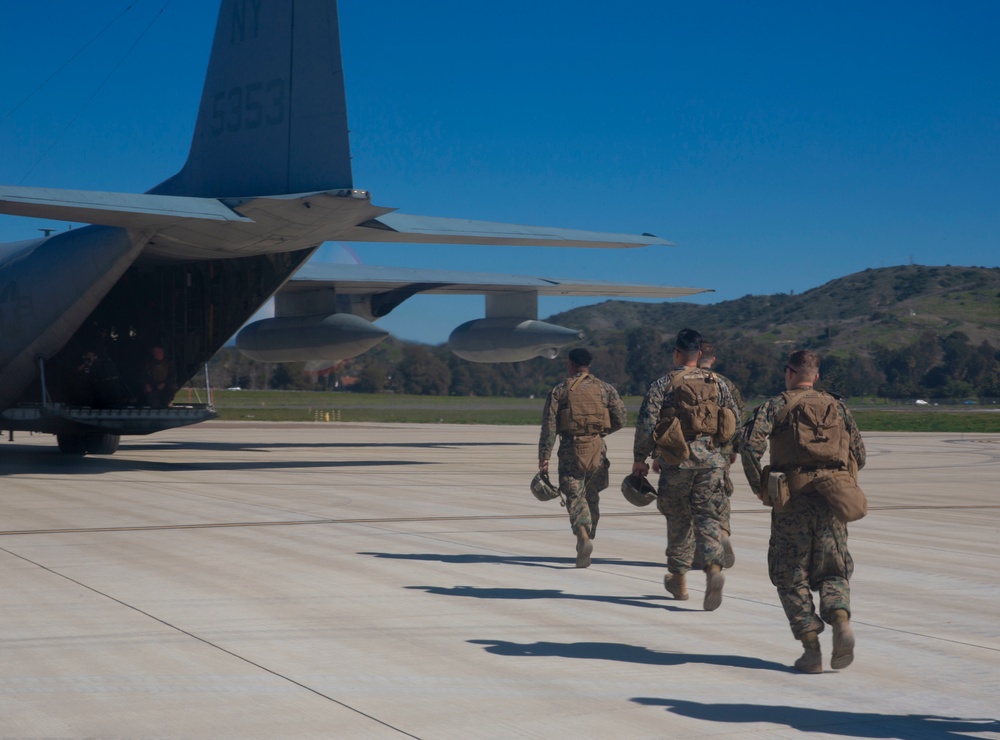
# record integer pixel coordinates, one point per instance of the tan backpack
(696, 405)
(696, 412)
(809, 433)
(585, 416)
(696, 401)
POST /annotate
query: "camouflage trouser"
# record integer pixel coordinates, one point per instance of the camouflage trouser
(583, 492)
(694, 502)
(808, 552)
(728, 511)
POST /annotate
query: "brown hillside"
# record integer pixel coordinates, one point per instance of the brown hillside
(889, 306)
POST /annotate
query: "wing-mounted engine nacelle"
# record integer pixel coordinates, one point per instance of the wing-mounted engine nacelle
(508, 339)
(304, 338)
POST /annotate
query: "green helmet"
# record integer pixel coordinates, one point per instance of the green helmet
(638, 491)
(542, 487)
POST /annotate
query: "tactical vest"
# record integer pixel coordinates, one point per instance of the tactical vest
(696, 402)
(808, 434)
(583, 412)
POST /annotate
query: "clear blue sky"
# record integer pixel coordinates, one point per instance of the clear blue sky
(780, 144)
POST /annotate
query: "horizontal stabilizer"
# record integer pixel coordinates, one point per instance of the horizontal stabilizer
(361, 279)
(404, 228)
(125, 210)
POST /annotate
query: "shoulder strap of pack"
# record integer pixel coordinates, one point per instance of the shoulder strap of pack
(672, 376)
(573, 382)
(791, 401)
(675, 374)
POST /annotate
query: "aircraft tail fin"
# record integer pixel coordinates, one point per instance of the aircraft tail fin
(273, 116)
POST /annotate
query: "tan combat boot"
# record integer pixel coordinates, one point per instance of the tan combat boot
(676, 585)
(843, 640)
(584, 547)
(714, 581)
(811, 660)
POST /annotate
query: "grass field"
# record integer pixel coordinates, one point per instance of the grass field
(384, 407)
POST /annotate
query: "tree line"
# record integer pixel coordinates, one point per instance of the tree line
(932, 366)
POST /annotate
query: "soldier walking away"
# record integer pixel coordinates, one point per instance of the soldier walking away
(686, 421)
(730, 451)
(813, 442)
(581, 410)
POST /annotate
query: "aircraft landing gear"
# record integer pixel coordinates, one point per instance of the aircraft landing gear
(82, 444)
(102, 444)
(71, 444)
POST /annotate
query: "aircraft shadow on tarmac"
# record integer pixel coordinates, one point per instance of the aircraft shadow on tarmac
(528, 561)
(848, 724)
(625, 653)
(22, 460)
(646, 602)
(250, 446)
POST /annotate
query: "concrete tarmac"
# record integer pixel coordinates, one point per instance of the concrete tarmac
(241, 580)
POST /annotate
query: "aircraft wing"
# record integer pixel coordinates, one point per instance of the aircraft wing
(510, 331)
(183, 227)
(365, 279)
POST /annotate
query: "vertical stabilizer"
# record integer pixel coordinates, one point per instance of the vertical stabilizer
(273, 116)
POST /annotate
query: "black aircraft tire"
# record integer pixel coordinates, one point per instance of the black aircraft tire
(72, 444)
(102, 444)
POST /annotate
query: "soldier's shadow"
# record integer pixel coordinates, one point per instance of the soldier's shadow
(525, 560)
(848, 724)
(646, 602)
(627, 653)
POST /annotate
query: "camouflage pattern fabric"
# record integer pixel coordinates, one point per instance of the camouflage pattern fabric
(808, 552)
(727, 508)
(734, 444)
(729, 449)
(694, 503)
(692, 495)
(582, 489)
(808, 549)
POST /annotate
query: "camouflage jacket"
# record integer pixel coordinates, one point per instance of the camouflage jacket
(758, 430)
(557, 398)
(705, 453)
(734, 444)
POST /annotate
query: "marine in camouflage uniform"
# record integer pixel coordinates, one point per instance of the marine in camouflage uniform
(691, 495)
(808, 548)
(581, 487)
(730, 450)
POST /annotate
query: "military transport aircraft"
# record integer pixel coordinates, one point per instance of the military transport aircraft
(185, 265)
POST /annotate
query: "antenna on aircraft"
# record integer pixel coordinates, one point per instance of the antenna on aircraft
(47, 232)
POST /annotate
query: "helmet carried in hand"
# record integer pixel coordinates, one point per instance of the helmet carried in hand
(638, 491)
(542, 487)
